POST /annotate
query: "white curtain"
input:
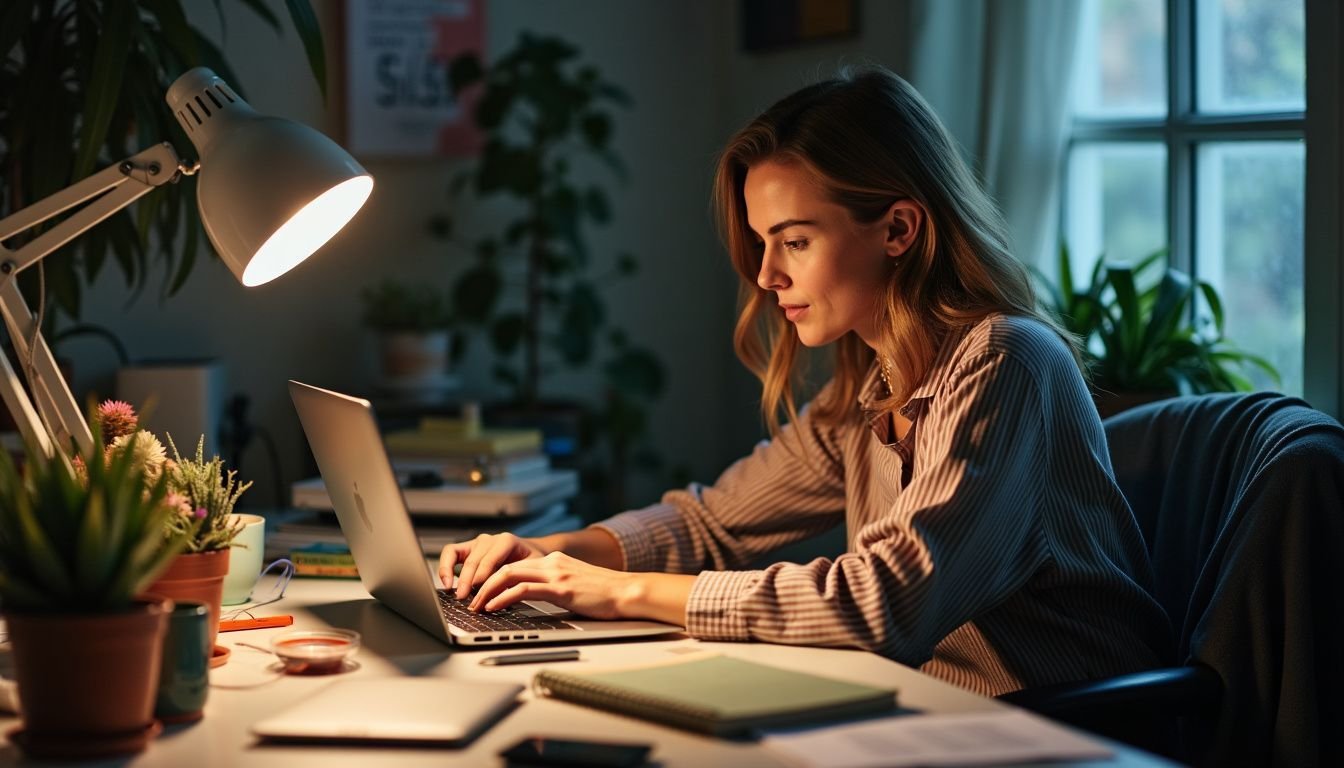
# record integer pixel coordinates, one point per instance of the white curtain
(999, 73)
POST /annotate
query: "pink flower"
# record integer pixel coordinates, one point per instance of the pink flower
(201, 512)
(117, 418)
(180, 504)
(81, 469)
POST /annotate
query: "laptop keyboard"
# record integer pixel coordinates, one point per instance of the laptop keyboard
(515, 618)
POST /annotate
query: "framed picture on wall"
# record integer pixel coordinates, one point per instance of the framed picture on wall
(769, 25)
(398, 102)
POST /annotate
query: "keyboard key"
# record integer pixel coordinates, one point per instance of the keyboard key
(513, 618)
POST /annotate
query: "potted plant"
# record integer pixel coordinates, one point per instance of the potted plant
(536, 287)
(205, 495)
(1145, 342)
(414, 328)
(79, 542)
(202, 495)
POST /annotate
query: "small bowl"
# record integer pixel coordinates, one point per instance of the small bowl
(315, 652)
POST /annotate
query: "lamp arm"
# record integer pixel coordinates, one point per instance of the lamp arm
(118, 185)
(51, 418)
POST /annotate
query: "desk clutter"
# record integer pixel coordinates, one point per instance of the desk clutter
(802, 716)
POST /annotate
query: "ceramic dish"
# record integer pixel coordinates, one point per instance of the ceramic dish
(315, 652)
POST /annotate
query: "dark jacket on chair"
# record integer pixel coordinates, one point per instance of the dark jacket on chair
(1241, 502)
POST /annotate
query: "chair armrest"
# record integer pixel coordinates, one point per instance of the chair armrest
(1168, 691)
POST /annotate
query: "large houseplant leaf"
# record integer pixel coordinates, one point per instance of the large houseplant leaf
(82, 87)
(1145, 336)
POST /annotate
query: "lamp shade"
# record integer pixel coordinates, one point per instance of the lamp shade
(271, 191)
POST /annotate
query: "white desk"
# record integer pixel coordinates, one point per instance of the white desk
(393, 646)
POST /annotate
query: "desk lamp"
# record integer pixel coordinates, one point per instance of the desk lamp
(271, 193)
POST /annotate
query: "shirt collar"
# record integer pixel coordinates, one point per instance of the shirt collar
(873, 389)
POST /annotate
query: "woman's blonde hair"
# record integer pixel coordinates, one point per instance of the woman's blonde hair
(869, 139)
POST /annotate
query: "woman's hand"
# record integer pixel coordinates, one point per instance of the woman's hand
(586, 589)
(483, 556)
(557, 578)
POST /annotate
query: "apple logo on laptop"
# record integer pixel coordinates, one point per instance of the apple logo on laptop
(363, 515)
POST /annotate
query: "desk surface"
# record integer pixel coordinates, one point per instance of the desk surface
(246, 689)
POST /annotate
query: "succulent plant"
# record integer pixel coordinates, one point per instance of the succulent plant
(210, 493)
(81, 535)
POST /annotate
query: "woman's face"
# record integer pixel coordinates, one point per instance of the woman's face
(827, 271)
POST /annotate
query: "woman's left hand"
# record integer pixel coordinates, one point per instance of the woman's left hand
(586, 589)
(560, 579)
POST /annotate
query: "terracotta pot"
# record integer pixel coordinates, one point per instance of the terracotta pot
(87, 682)
(410, 357)
(197, 577)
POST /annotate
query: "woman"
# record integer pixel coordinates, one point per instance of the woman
(988, 542)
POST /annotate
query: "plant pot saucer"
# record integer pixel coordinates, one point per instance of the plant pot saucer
(72, 746)
(219, 656)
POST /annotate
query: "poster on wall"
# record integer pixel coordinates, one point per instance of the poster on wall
(398, 101)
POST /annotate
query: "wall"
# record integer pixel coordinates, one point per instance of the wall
(692, 87)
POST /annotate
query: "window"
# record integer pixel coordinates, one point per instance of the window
(1188, 133)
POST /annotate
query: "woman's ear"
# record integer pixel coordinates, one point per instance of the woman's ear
(904, 221)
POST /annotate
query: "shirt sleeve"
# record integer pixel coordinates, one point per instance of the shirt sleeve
(788, 489)
(958, 540)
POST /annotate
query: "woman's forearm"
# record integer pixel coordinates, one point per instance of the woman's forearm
(657, 596)
(591, 545)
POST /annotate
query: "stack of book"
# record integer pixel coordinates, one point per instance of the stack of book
(458, 481)
(460, 450)
(499, 498)
(450, 466)
(322, 559)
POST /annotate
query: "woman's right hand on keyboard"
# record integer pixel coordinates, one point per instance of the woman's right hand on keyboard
(481, 557)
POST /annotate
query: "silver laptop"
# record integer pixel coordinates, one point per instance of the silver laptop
(368, 503)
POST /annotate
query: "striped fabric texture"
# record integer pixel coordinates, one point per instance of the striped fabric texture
(991, 547)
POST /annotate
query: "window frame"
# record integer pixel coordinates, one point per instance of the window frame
(1319, 126)
(1323, 353)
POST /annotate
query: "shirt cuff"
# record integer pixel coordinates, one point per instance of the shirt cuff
(637, 534)
(713, 610)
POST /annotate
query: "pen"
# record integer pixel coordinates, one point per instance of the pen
(260, 623)
(569, 654)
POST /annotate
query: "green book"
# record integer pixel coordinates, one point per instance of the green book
(714, 694)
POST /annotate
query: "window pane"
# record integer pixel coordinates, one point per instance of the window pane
(1116, 203)
(1121, 68)
(1251, 56)
(1249, 238)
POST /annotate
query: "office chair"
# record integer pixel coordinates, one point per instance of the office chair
(1240, 498)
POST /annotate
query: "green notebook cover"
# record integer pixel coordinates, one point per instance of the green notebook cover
(719, 695)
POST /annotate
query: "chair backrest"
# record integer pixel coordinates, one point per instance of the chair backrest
(1240, 498)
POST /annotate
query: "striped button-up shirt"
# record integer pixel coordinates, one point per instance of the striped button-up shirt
(990, 547)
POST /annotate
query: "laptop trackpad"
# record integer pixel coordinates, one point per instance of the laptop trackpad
(534, 608)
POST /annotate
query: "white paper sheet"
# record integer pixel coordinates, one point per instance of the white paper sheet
(980, 738)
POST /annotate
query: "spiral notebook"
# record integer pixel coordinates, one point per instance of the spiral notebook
(716, 694)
